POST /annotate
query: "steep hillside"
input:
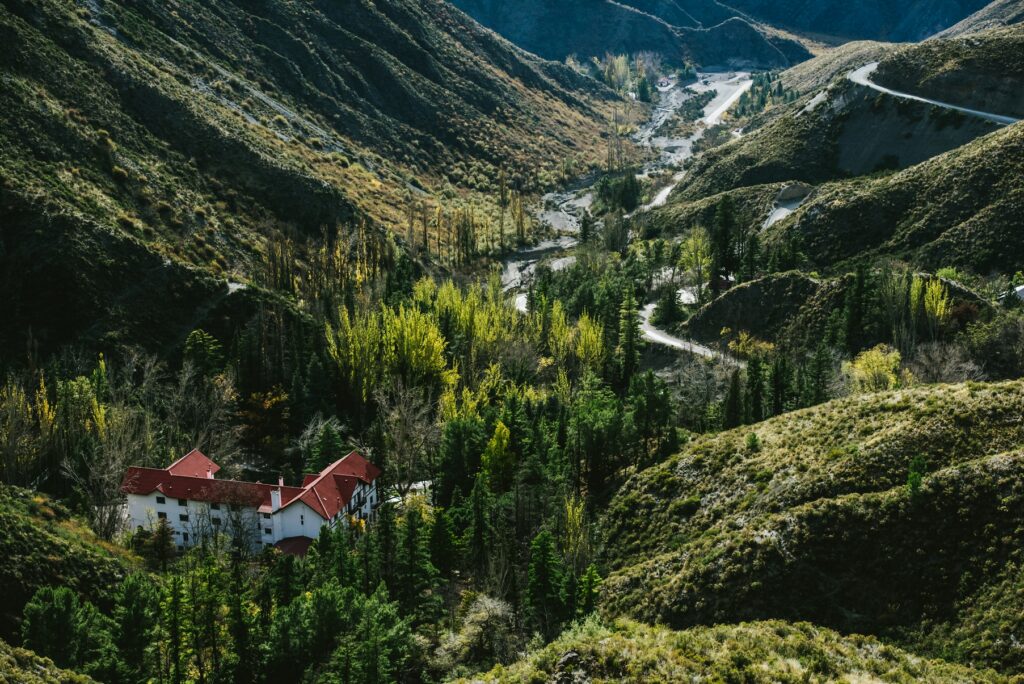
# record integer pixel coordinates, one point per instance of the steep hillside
(44, 546)
(984, 71)
(19, 666)
(845, 130)
(816, 73)
(999, 13)
(814, 520)
(626, 651)
(962, 208)
(149, 150)
(707, 34)
(904, 20)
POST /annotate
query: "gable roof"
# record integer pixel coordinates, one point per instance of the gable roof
(326, 493)
(193, 464)
(332, 489)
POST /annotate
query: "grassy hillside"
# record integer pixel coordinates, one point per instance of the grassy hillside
(984, 71)
(704, 33)
(962, 208)
(43, 545)
(19, 666)
(998, 13)
(149, 151)
(814, 520)
(773, 651)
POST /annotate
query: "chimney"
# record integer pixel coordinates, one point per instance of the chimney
(280, 480)
(275, 500)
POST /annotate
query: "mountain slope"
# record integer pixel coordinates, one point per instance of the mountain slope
(904, 20)
(999, 13)
(816, 522)
(962, 208)
(626, 651)
(151, 150)
(706, 34)
(984, 71)
(845, 130)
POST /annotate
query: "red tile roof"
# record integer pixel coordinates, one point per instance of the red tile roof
(193, 464)
(332, 489)
(295, 546)
(326, 493)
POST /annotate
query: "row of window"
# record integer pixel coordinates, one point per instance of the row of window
(183, 517)
(184, 502)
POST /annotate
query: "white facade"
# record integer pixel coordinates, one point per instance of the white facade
(193, 521)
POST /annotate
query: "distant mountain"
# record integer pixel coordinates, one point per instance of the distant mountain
(698, 30)
(999, 13)
(889, 20)
(151, 150)
(706, 34)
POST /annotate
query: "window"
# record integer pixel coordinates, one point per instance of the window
(215, 507)
(161, 515)
(161, 499)
(266, 516)
(183, 502)
(302, 519)
(183, 517)
(233, 507)
(266, 530)
(216, 522)
(184, 536)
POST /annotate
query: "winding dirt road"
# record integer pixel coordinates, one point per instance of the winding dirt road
(862, 77)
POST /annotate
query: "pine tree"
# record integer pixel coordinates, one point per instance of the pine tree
(820, 368)
(479, 534)
(755, 390)
(173, 628)
(545, 603)
(416, 576)
(135, 609)
(732, 412)
(243, 648)
(781, 381)
(443, 552)
(587, 591)
(627, 353)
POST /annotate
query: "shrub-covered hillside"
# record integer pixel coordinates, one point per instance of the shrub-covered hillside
(962, 208)
(774, 651)
(43, 545)
(981, 71)
(20, 666)
(894, 514)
